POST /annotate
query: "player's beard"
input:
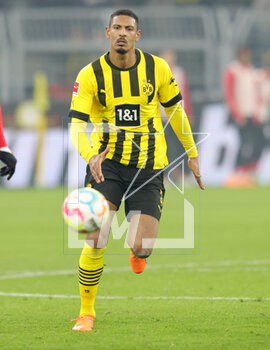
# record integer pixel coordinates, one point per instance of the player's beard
(121, 51)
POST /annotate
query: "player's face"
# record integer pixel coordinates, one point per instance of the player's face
(123, 34)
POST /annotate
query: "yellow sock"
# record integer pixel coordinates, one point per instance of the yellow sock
(90, 271)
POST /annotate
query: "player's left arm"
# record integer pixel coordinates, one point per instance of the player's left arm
(6, 156)
(180, 125)
(170, 98)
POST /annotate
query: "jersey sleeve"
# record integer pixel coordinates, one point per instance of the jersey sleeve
(80, 140)
(83, 94)
(169, 93)
(180, 125)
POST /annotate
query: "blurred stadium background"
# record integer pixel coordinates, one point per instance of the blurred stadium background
(43, 45)
(215, 296)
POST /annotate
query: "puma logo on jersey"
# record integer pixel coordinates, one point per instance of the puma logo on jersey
(105, 92)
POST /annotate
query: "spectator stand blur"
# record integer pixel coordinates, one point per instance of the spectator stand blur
(79, 55)
(264, 115)
(241, 88)
(60, 37)
(31, 115)
(264, 97)
(174, 147)
(60, 86)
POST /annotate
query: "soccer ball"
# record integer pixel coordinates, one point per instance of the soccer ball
(85, 210)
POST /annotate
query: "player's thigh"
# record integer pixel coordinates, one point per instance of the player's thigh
(143, 209)
(143, 230)
(113, 190)
(146, 198)
(112, 187)
(99, 239)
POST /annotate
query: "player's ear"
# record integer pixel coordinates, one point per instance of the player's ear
(107, 32)
(138, 34)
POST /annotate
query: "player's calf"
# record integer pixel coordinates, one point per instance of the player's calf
(141, 253)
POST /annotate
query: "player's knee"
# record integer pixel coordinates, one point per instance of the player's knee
(142, 253)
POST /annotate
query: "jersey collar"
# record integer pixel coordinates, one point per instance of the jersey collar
(138, 54)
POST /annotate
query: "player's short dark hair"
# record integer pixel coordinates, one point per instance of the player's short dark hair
(124, 12)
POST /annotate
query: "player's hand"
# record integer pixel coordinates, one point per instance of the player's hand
(9, 161)
(95, 165)
(193, 165)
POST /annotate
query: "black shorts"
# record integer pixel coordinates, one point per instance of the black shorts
(145, 194)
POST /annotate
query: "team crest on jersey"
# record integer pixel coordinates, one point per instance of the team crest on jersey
(147, 88)
(76, 88)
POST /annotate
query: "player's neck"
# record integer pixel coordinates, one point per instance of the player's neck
(121, 61)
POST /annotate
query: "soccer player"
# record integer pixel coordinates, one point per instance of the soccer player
(7, 159)
(121, 92)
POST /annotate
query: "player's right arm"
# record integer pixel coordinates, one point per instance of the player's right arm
(82, 99)
(6, 156)
(81, 142)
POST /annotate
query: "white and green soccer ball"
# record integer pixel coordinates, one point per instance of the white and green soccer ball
(85, 210)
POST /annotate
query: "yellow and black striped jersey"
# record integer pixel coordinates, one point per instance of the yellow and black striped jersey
(123, 105)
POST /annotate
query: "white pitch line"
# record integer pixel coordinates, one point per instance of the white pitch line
(208, 266)
(37, 295)
(62, 296)
(232, 269)
(38, 274)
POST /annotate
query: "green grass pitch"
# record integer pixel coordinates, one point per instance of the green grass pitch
(230, 260)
